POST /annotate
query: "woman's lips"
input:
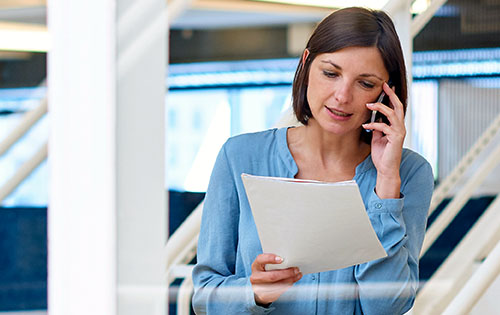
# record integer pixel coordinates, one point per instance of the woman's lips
(337, 114)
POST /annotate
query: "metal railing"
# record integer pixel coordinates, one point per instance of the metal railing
(452, 179)
(23, 172)
(181, 247)
(454, 273)
(29, 120)
(461, 197)
(477, 285)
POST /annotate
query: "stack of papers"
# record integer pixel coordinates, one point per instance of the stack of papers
(316, 226)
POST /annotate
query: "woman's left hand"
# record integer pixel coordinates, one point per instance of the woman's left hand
(387, 145)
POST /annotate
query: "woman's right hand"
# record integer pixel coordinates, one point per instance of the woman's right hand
(268, 286)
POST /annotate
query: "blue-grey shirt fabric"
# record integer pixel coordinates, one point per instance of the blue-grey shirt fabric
(228, 242)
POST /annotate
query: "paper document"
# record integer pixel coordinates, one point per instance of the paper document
(316, 226)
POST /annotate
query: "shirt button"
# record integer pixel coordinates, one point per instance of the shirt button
(313, 277)
(378, 205)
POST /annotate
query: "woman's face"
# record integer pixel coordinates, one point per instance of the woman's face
(341, 84)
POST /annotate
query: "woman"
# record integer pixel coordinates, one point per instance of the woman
(349, 59)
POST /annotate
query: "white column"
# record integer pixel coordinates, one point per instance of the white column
(399, 10)
(82, 158)
(142, 232)
(107, 221)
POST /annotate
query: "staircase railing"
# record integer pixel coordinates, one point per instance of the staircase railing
(23, 172)
(461, 197)
(477, 285)
(181, 247)
(456, 276)
(28, 120)
(452, 179)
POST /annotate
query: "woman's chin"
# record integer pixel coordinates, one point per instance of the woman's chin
(337, 128)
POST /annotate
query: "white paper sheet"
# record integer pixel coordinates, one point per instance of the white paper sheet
(313, 225)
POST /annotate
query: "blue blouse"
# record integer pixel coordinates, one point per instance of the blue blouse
(228, 242)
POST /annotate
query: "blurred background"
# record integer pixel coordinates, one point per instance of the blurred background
(230, 64)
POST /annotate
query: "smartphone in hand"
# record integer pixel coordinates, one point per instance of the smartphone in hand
(377, 116)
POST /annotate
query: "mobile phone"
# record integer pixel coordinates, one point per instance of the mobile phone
(377, 116)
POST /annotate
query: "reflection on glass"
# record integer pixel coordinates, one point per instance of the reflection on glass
(219, 114)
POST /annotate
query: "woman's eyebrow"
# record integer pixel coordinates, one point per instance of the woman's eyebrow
(365, 75)
(332, 63)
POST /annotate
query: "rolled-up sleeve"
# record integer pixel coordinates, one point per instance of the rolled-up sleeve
(389, 285)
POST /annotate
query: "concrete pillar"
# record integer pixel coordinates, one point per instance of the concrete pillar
(107, 213)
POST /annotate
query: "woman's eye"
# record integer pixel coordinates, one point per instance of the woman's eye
(367, 85)
(330, 74)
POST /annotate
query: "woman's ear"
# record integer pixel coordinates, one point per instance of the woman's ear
(305, 55)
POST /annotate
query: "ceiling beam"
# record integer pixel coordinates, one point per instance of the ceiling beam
(256, 6)
(14, 55)
(423, 18)
(8, 4)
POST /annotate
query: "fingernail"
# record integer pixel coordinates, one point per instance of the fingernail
(370, 104)
(278, 259)
(297, 271)
(364, 125)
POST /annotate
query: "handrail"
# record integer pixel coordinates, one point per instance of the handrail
(181, 246)
(456, 270)
(462, 196)
(29, 119)
(184, 296)
(423, 18)
(23, 172)
(449, 182)
(477, 285)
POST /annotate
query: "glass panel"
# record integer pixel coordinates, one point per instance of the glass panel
(423, 106)
(201, 120)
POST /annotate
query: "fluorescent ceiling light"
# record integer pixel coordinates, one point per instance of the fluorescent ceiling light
(374, 4)
(23, 37)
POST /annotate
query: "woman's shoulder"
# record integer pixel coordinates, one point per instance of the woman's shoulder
(410, 156)
(255, 142)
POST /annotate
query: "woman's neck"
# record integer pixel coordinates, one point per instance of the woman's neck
(325, 156)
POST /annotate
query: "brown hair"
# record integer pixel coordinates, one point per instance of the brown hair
(347, 28)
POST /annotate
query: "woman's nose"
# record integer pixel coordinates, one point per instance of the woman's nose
(343, 93)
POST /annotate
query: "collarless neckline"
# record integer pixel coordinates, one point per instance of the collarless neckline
(292, 167)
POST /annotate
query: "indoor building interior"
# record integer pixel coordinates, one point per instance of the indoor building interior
(112, 114)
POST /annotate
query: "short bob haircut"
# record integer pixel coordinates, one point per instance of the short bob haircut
(351, 27)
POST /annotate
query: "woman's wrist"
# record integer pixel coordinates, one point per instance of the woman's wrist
(388, 187)
(259, 303)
